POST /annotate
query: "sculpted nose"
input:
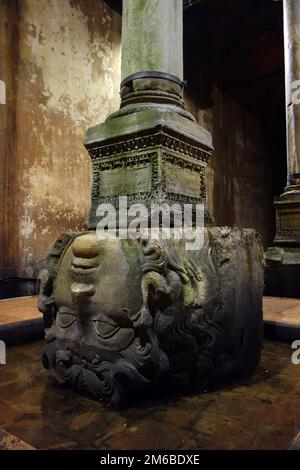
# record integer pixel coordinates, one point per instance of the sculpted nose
(79, 289)
(85, 247)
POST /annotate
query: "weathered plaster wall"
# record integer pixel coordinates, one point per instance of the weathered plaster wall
(239, 178)
(60, 60)
(8, 61)
(66, 64)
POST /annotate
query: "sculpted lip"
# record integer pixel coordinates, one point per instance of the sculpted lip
(82, 270)
(84, 266)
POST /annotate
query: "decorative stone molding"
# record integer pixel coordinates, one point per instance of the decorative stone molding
(145, 142)
(153, 168)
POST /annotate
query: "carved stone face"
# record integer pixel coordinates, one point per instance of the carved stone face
(120, 315)
(97, 291)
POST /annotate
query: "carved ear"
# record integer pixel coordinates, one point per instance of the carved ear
(143, 319)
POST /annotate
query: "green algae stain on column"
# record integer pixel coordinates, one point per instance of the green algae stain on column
(152, 37)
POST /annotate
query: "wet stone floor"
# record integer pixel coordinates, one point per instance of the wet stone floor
(260, 413)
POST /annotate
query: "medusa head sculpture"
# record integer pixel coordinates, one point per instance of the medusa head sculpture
(122, 316)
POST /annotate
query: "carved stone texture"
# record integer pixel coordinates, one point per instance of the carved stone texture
(282, 273)
(151, 156)
(125, 316)
(287, 219)
(282, 262)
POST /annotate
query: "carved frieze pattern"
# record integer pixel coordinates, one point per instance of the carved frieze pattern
(141, 143)
(284, 232)
(158, 191)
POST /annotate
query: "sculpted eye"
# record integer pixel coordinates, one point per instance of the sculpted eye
(105, 329)
(65, 320)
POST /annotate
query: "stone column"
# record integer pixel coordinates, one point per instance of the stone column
(292, 79)
(151, 150)
(125, 315)
(159, 25)
(152, 52)
(288, 204)
(283, 260)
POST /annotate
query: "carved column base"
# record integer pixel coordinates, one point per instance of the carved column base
(152, 155)
(288, 218)
(125, 316)
(282, 270)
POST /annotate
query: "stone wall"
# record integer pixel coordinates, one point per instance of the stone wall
(62, 70)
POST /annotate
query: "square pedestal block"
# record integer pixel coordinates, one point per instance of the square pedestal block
(282, 272)
(151, 156)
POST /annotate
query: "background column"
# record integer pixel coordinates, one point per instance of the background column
(292, 75)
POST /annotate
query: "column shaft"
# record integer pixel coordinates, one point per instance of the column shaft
(159, 153)
(292, 75)
(152, 37)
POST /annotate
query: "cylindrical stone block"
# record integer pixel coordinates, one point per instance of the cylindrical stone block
(152, 37)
